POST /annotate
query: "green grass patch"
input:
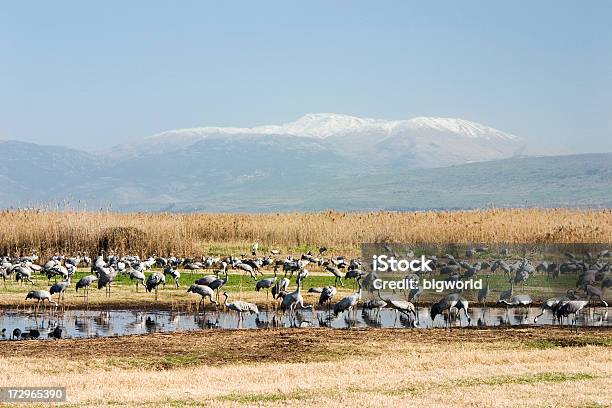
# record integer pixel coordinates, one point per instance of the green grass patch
(257, 398)
(569, 342)
(551, 377)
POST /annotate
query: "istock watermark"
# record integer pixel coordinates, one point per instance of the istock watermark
(427, 284)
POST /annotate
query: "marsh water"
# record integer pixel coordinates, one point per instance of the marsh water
(93, 323)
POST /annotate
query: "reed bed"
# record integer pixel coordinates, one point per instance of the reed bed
(69, 232)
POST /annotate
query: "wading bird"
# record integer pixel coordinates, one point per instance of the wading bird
(266, 284)
(337, 274)
(204, 292)
(41, 296)
(85, 282)
(60, 288)
(294, 299)
(573, 307)
(153, 282)
(240, 307)
(137, 275)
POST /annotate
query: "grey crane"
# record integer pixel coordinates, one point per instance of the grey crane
(266, 284)
(218, 284)
(207, 280)
(484, 292)
(137, 275)
(281, 286)
(247, 268)
(240, 307)
(294, 299)
(507, 294)
(327, 294)
(23, 273)
(337, 274)
(204, 292)
(446, 304)
(463, 304)
(349, 302)
(60, 288)
(415, 293)
(16, 334)
(85, 282)
(176, 275)
(153, 281)
(375, 304)
(551, 304)
(106, 276)
(400, 306)
(592, 291)
(517, 301)
(40, 296)
(572, 307)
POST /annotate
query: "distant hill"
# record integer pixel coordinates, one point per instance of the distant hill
(318, 162)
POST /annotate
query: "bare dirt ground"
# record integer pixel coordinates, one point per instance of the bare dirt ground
(500, 367)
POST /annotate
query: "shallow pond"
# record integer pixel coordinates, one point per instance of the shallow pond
(92, 323)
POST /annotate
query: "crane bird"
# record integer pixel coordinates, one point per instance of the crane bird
(254, 249)
(281, 286)
(592, 291)
(292, 300)
(106, 276)
(153, 282)
(16, 334)
(517, 301)
(60, 288)
(401, 306)
(337, 274)
(176, 275)
(138, 276)
(204, 292)
(266, 284)
(484, 292)
(56, 333)
(349, 302)
(40, 296)
(551, 304)
(207, 280)
(572, 307)
(218, 284)
(240, 307)
(23, 273)
(247, 268)
(375, 304)
(446, 304)
(327, 294)
(507, 294)
(85, 282)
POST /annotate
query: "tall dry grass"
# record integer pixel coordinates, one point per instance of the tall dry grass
(192, 234)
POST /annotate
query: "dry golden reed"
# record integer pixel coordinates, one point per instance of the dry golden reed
(194, 234)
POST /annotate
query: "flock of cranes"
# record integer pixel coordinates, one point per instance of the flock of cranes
(592, 274)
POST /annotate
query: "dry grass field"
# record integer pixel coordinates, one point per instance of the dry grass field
(507, 367)
(196, 234)
(496, 367)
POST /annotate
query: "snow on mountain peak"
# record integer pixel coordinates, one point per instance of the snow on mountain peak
(461, 126)
(324, 125)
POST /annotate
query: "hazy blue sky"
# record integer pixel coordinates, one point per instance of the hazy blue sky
(94, 75)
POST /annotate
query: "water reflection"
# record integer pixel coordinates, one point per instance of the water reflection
(89, 323)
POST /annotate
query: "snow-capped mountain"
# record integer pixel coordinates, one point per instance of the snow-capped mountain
(318, 161)
(324, 125)
(417, 142)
